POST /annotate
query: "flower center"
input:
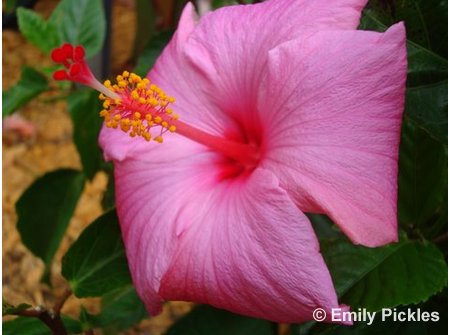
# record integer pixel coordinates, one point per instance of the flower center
(139, 108)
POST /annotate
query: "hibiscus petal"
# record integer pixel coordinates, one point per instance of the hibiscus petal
(215, 73)
(152, 189)
(250, 250)
(333, 126)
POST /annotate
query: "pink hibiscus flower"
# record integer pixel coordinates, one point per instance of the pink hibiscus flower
(287, 109)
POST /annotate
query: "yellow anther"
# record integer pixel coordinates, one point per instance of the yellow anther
(142, 100)
(164, 124)
(171, 100)
(107, 83)
(147, 136)
(169, 111)
(114, 124)
(117, 117)
(101, 96)
(175, 116)
(117, 101)
(146, 81)
(149, 92)
(141, 86)
(132, 134)
(135, 95)
(154, 102)
(103, 113)
(119, 78)
(148, 117)
(106, 103)
(137, 115)
(123, 83)
(172, 129)
(163, 103)
(158, 139)
(125, 74)
(124, 128)
(135, 78)
(125, 122)
(133, 123)
(108, 124)
(158, 119)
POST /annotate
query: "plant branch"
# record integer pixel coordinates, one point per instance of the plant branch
(52, 321)
(60, 303)
(51, 318)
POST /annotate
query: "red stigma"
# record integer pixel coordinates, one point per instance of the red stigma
(72, 57)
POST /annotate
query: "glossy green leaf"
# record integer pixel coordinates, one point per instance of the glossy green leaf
(427, 105)
(206, 320)
(398, 274)
(45, 209)
(121, 310)
(422, 177)
(151, 52)
(84, 107)
(33, 326)
(37, 31)
(96, 263)
(81, 22)
(31, 84)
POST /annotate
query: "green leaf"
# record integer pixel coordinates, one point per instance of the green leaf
(37, 31)
(422, 177)
(45, 209)
(427, 105)
(152, 51)
(427, 100)
(84, 107)
(31, 84)
(108, 200)
(25, 325)
(206, 320)
(121, 309)
(81, 22)
(8, 309)
(374, 278)
(33, 326)
(96, 263)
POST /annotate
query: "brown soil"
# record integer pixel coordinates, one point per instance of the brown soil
(50, 148)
